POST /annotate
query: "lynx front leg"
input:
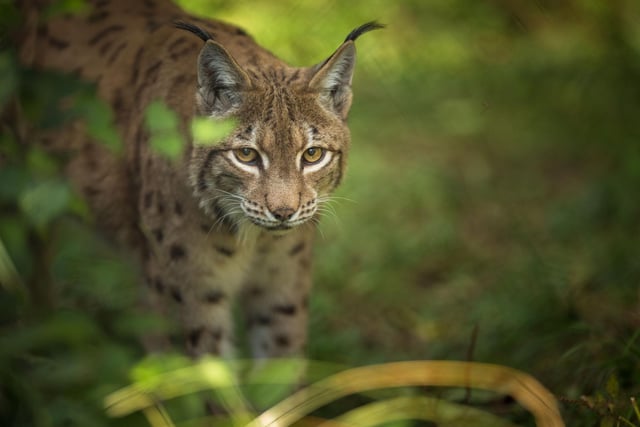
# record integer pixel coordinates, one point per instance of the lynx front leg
(275, 298)
(206, 322)
(199, 306)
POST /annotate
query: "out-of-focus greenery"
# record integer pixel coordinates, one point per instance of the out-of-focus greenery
(490, 212)
(491, 208)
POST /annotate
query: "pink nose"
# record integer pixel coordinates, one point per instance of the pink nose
(283, 213)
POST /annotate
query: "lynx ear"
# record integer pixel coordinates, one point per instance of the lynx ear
(221, 81)
(332, 78)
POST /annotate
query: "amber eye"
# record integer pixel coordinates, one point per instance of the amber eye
(246, 155)
(312, 155)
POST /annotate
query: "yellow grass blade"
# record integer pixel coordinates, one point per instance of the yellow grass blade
(522, 387)
(445, 414)
(158, 417)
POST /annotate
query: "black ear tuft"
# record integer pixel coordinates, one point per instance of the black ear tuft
(203, 34)
(369, 26)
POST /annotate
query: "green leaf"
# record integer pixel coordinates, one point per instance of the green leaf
(13, 179)
(160, 118)
(206, 131)
(8, 78)
(44, 201)
(99, 119)
(163, 126)
(167, 144)
(39, 163)
(613, 386)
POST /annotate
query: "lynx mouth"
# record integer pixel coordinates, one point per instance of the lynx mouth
(272, 226)
(277, 226)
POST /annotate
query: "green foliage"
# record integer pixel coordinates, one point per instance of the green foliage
(165, 138)
(206, 131)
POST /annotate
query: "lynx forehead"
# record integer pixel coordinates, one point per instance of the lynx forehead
(227, 221)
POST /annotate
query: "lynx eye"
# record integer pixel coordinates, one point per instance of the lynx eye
(312, 155)
(246, 155)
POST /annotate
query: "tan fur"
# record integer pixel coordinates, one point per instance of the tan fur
(207, 228)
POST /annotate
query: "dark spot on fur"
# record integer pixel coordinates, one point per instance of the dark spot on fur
(159, 285)
(202, 184)
(136, 65)
(194, 336)
(296, 249)
(148, 196)
(216, 335)
(97, 17)
(291, 114)
(305, 302)
(224, 251)
(58, 43)
(256, 291)
(205, 228)
(105, 48)
(262, 320)
(282, 341)
(91, 191)
(180, 54)
(118, 101)
(152, 71)
(105, 32)
(286, 310)
(176, 295)
(214, 297)
(116, 52)
(177, 252)
(158, 234)
(293, 77)
(182, 78)
(176, 43)
(177, 208)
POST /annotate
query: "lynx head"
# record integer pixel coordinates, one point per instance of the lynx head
(289, 148)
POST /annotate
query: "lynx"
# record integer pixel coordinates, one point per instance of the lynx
(231, 221)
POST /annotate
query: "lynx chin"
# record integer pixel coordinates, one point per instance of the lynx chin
(226, 222)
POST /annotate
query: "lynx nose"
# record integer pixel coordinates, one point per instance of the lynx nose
(283, 213)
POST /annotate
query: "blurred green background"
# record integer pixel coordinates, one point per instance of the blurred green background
(491, 211)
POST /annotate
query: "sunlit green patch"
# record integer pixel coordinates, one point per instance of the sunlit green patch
(44, 201)
(162, 123)
(211, 132)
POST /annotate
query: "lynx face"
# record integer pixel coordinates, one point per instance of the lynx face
(274, 174)
(289, 150)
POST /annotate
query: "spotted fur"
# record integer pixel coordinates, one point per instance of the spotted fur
(226, 221)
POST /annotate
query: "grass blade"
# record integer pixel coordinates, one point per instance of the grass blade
(522, 387)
